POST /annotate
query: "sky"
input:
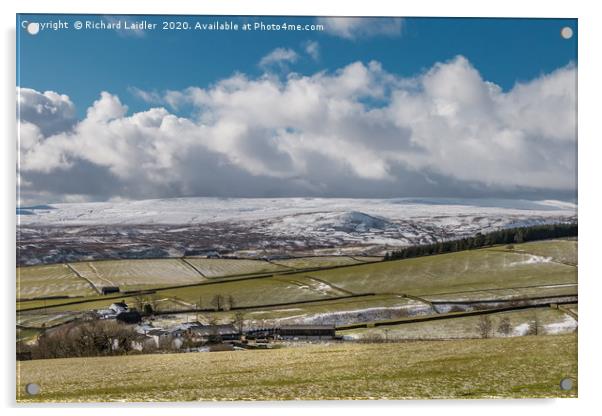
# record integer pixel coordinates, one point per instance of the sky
(360, 107)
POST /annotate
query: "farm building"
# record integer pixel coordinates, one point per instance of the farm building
(119, 307)
(143, 342)
(261, 333)
(113, 310)
(308, 332)
(129, 317)
(215, 332)
(160, 336)
(106, 290)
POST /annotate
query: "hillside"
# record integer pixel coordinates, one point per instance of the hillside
(314, 289)
(255, 228)
(507, 368)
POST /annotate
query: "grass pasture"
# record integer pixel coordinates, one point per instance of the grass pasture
(463, 271)
(35, 320)
(138, 274)
(233, 267)
(50, 280)
(567, 289)
(319, 261)
(564, 251)
(335, 310)
(529, 366)
(246, 293)
(549, 322)
(483, 274)
(249, 293)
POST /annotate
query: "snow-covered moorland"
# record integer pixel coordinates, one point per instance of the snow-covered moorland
(264, 226)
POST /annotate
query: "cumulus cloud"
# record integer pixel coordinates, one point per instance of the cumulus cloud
(360, 27)
(359, 131)
(49, 111)
(279, 57)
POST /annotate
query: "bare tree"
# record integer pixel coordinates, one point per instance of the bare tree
(239, 321)
(504, 327)
(534, 326)
(217, 302)
(231, 302)
(484, 326)
(153, 301)
(139, 302)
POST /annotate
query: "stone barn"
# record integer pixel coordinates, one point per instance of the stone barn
(307, 332)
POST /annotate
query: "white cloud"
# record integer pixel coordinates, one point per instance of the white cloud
(360, 27)
(280, 57)
(446, 131)
(312, 48)
(106, 108)
(49, 111)
(151, 97)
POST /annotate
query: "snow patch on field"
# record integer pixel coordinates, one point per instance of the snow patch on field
(351, 316)
(520, 330)
(532, 259)
(568, 324)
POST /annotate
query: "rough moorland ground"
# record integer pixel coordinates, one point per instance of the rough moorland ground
(509, 367)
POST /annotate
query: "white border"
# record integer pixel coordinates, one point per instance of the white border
(590, 202)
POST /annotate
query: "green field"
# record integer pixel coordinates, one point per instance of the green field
(232, 267)
(548, 321)
(508, 367)
(564, 251)
(489, 273)
(564, 289)
(319, 261)
(138, 274)
(328, 309)
(245, 293)
(86, 278)
(463, 271)
(36, 319)
(50, 280)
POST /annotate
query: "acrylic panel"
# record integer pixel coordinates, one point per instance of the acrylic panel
(295, 208)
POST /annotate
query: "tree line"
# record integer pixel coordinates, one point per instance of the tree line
(148, 305)
(504, 236)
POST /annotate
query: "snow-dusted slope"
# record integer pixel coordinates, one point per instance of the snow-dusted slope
(254, 227)
(205, 210)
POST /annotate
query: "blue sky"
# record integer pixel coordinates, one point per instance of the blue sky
(82, 63)
(368, 107)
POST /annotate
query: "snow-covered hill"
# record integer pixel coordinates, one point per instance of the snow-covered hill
(204, 210)
(271, 226)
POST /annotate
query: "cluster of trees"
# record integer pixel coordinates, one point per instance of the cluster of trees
(485, 326)
(146, 304)
(95, 338)
(505, 236)
(88, 339)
